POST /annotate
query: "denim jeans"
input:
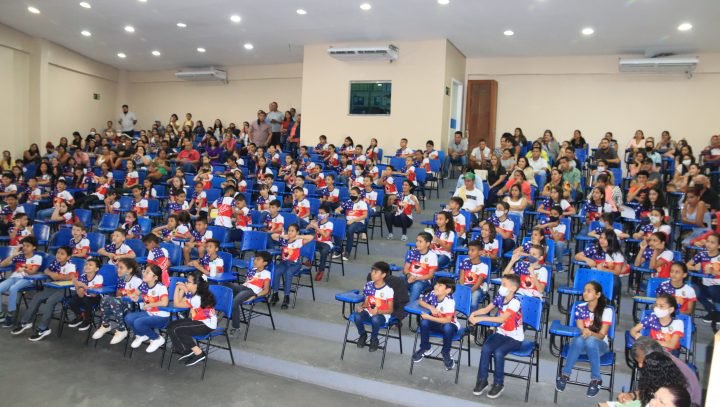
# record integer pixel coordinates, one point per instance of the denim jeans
(377, 322)
(144, 324)
(443, 261)
(324, 250)
(476, 298)
(462, 161)
(12, 286)
(44, 214)
(593, 347)
(448, 330)
(560, 247)
(287, 270)
(709, 295)
(496, 346)
(417, 288)
(355, 227)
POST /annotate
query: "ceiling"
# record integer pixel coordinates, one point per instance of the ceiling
(278, 33)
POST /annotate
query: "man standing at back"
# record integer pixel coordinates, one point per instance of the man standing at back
(260, 133)
(127, 121)
(275, 119)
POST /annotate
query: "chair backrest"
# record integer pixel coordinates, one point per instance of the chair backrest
(137, 247)
(5, 252)
(145, 225)
(652, 286)
(109, 274)
(311, 188)
(79, 264)
(254, 241)
(61, 237)
(41, 231)
(567, 222)
(517, 220)
(218, 233)
(153, 205)
(83, 216)
(532, 310)
(126, 203)
(109, 221)
(421, 175)
(611, 330)
(171, 287)
(463, 299)
(606, 280)
(29, 209)
(435, 166)
(256, 216)
(97, 241)
(160, 190)
(398, 163)
(308, 250)
(344, 193)
(47, 259)
(174, 253)
(223, 299)
(290, 219)
(380, 154)
(217, 181)
(212, 195)
(280, 186)
(314, 206)
(339, 228)
(227, 259)
(617, 173)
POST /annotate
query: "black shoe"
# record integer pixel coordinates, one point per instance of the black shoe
(85, 326)
(195, 359)
(21, 328)
(374, 344)
(40, 334)
(561, 383)
(495, 391)
(186, 356)
(9, 322)
(75, 322)
(274, 299)
(418, 355)
(593, 388)
(448, 361)
(361, 341)
(286, 302)
(480, 387)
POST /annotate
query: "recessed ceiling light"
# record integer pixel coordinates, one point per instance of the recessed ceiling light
(156, 53)
(301, 12)
(181, 25)
(365, 6)
(248, 46)
(443, 2)
(588, 31)
(509, 33)
(121, 55)
(85, 4)
(235, 18)
(86, 33)
(33, 10)
(142, 1)
(201, 49)
(129, 28)
(685, 27)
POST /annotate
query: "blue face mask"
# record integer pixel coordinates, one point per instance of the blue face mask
(601, 224)
(531, 259)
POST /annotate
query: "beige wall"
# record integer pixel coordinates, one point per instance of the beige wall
(454, 69)
(15, 86)
(588, 93)
(417, 95)
(156, 95)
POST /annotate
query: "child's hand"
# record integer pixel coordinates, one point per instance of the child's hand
(358, 308)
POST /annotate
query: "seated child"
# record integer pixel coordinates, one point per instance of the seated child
(441, 319)
(376, 307)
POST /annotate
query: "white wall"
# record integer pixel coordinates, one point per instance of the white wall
(15, 86)
(588, 93)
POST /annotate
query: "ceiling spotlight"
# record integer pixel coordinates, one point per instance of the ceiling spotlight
(248, 46)
(301, 12)
(33, 10)
(129, 28)
(142, 1)
(588, 31)
(235, 18)
(181, 25)
(443, 2)
(201, 50)
(86, 33)
(156, 53)
(685, 27)
(121, 55)
(509, 33)
(365, 6)
(85, 4)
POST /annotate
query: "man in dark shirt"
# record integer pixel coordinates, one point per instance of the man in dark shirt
(605, 152)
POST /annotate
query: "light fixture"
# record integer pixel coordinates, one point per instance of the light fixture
(142, 1)
(85, 4)
(248, 46)
(685, 27)
(365, 6)
(301, 12)
(443, 2)
(156, 53)
(509, 33)
(588, 31)
(235, 18)
(181, 25)
(86, 33)
(201, 50)
(129, 28)
(33, 10)
(121, 55)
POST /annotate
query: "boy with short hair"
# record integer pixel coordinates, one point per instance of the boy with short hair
(441, 319)
(79, 243)
(404, 151)
(8, 212)
(140, 204)
(112, 205)
(19, 230)
(474, 273)
(198, 201)
(210, 264)
(507, 338)
(257, 284)
(117, 249)
(533, 275)
(301, 207)
(377, 306)
(27, 263)
(178, 203)
(454, 206)
(83, 303)
(198, 239)
(225, 206)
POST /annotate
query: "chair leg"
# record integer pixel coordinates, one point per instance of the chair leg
(457, 362)
(207, 356)
(227, 339)
(417, 334)
(399, 327)
(385, 343)
(247, 328)
(272, 320)
(345, 341)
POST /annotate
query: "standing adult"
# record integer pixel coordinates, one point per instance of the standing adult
(127, 121)
(275, 119)
(293, 140)
(260, 132)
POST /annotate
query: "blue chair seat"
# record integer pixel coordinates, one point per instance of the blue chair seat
(458, 335)
(526, 350)
(415, 309)
(631, 240)
(556, 328)
(568, 290)
(227, 245)
(607, 359)
(644, 300)
(629, 340)
(585, 238)
(352, 296)
(181, 269)
(141, 260)
(105, 290)
(489, 323)
(4, 238)
(240, 263)
(447, 274)
(428, 223)
(495, 281)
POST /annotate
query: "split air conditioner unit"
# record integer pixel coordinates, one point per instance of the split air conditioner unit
(684, 65)
(382, 53)
(202, 74)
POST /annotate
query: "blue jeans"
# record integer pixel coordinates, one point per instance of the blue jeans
(476, 298)
(448, 331)
(324, 250)
(12, 286)
(462, 160)
(417, 288)
(287, 270)
(592, 347)
(355, 227)
(144, 324)
(709, 295)
(443, 261)
(543, 177)
(560, 247)
(363, 317)
(44, 214)
(496, 346)
(189, 168)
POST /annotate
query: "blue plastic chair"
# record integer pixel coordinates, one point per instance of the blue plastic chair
(58, 239)
(153, 211)
(252, 241)
(223, 307)
(583, 276)
(213, 194)
(108, 223)
(306, 252)
(248, 307)
(220, 234)
(145, 225)
(29, 209)
(97, 242)
(41, 232)
(175, 255)
(126, 204)
(398, 163)
(649, 298)
(83, 216)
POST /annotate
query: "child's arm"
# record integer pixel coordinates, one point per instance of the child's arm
(427, 306)
(580, 256)
(163, 302)
(199, 267)
(636, 331)
(480, 312)
(179, 299)
(509, 268)
(439, 320)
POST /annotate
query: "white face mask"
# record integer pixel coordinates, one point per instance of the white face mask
(600, 168)
(687, 163)
(499, 214)
(661, 313)
(654, 219)
(503, 291)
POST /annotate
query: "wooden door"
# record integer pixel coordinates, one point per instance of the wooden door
(481, 112)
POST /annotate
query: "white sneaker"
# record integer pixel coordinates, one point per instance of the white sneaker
(345, 259)
(118, 337)
(155, 344)
(389, 236)
(101, 332)
(336, 256)
(363, 236)
(138, 341)
(403, 238)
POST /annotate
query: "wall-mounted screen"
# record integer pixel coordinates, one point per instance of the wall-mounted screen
(370, 97)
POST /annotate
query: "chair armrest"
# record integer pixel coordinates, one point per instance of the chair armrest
(352, 297)
(556, 328)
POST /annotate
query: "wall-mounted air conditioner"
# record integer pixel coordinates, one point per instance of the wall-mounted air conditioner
(684, 65)
(381, 53)
(202, 74)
